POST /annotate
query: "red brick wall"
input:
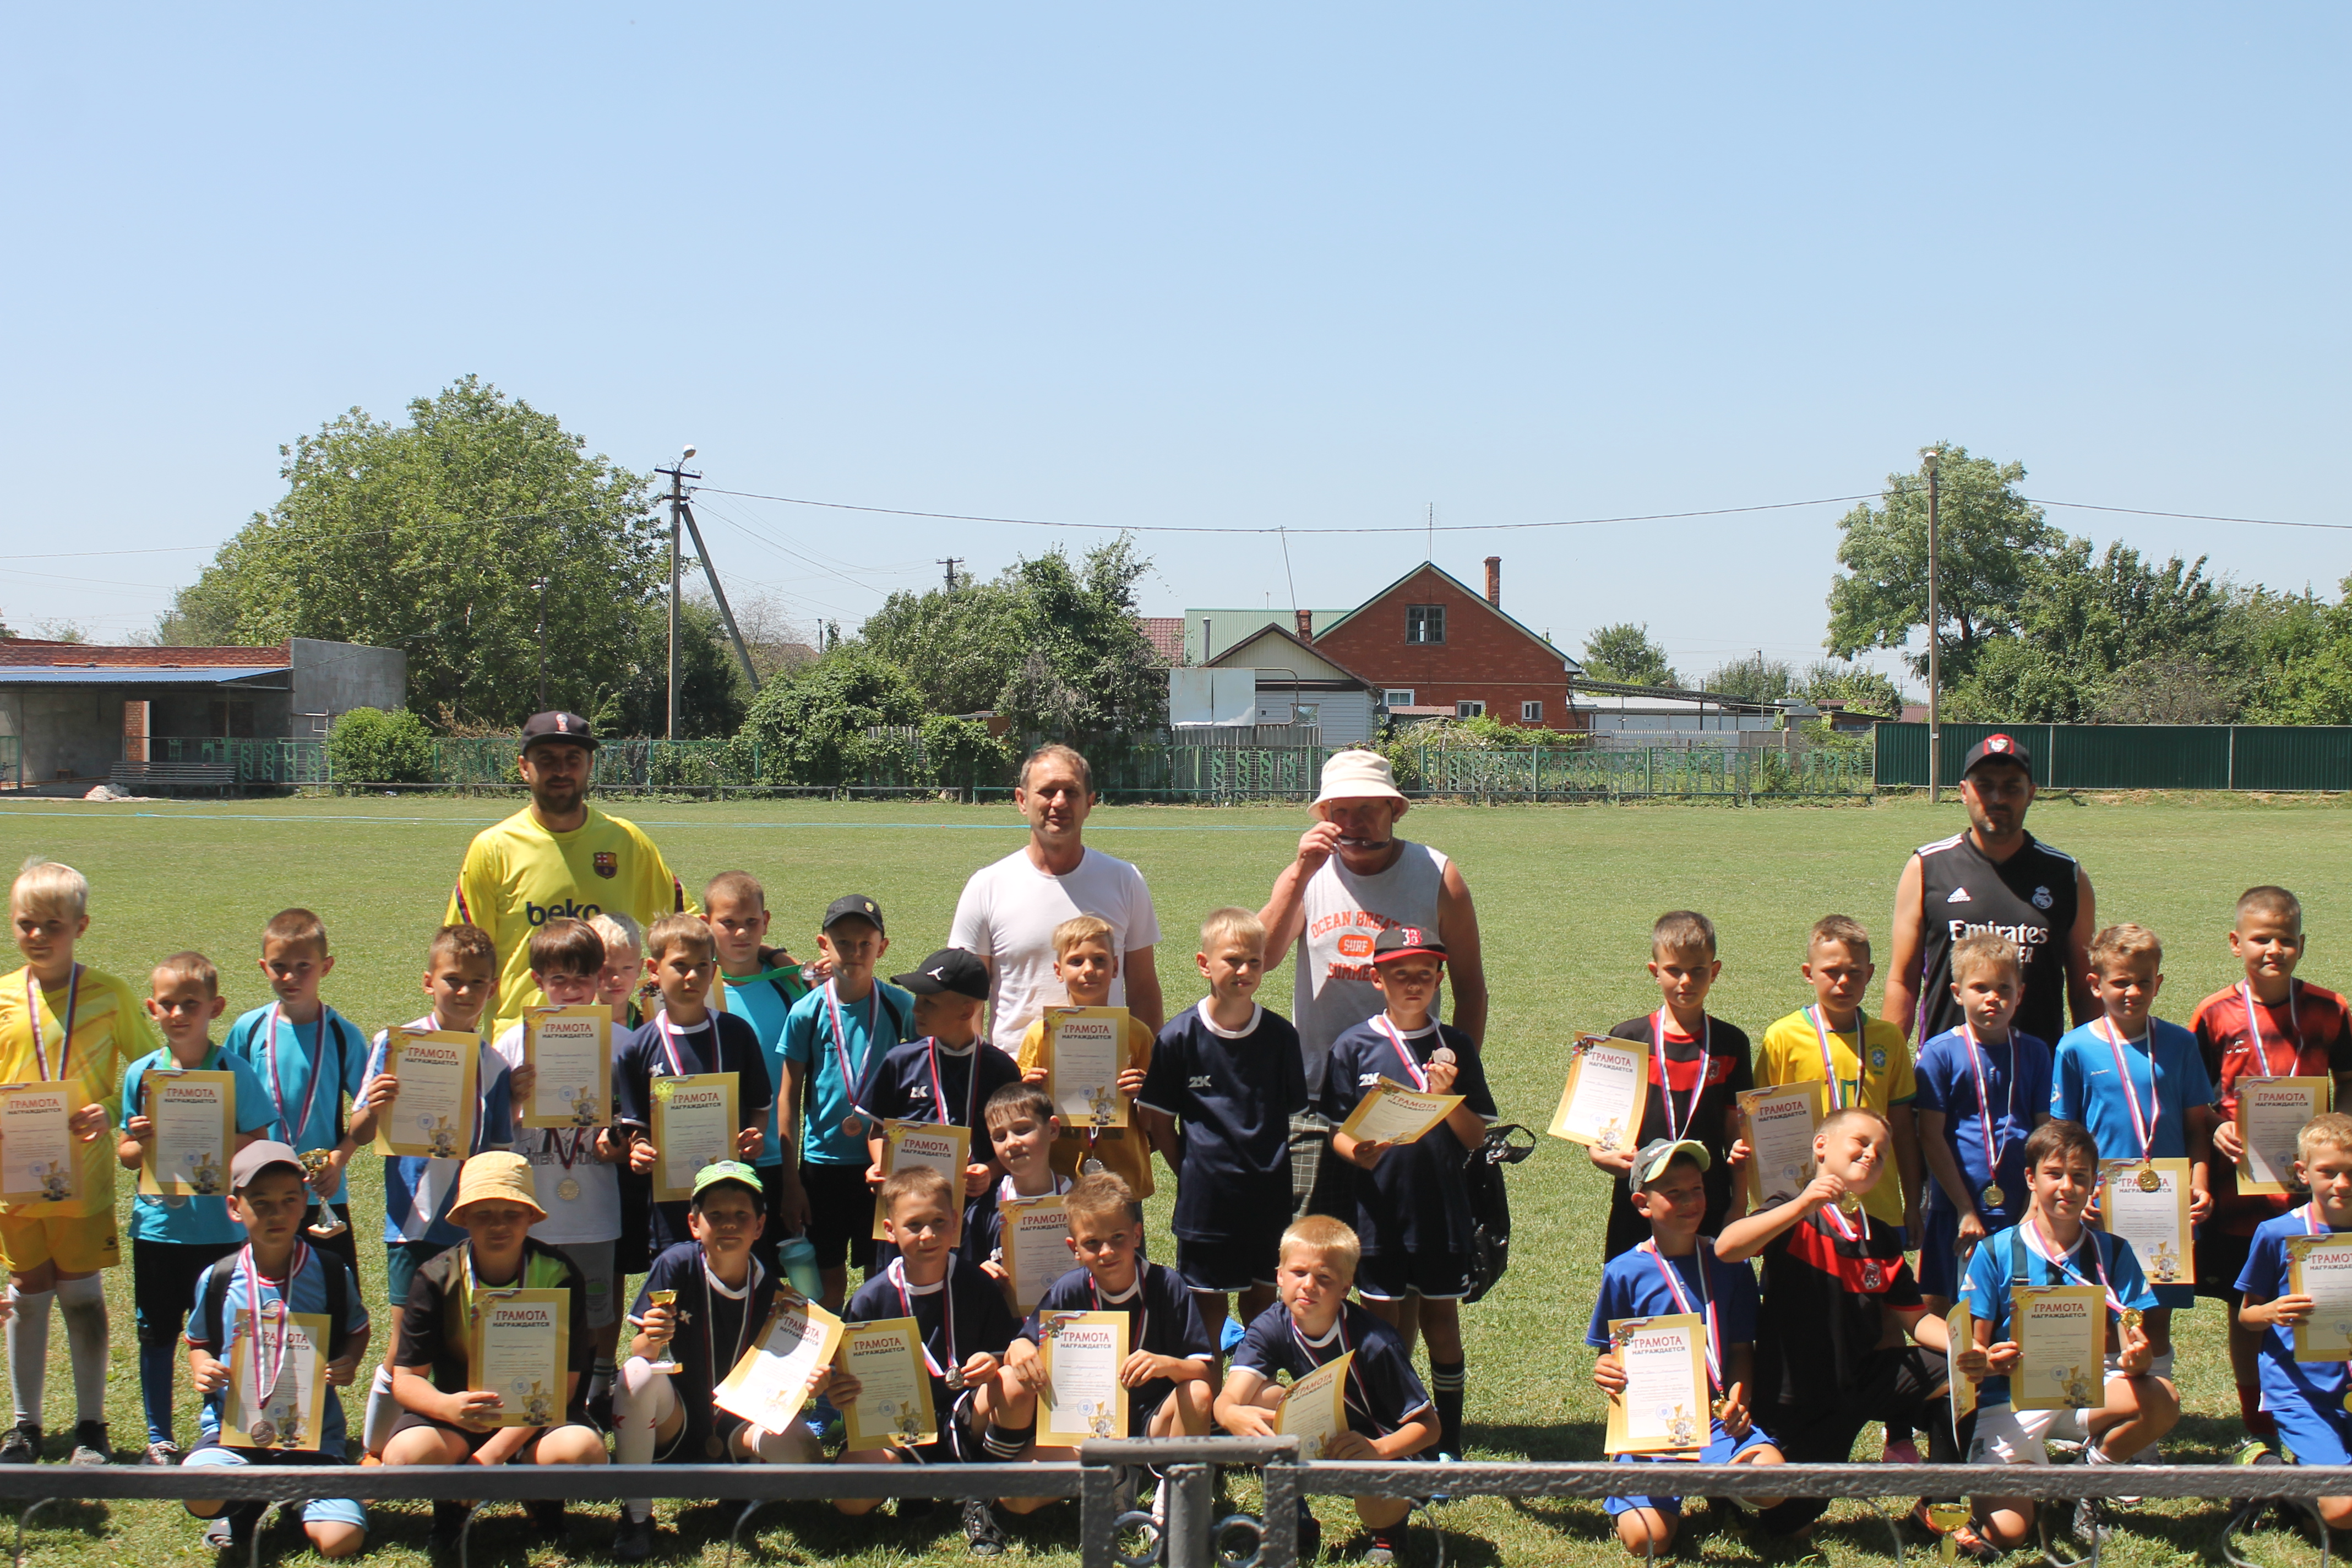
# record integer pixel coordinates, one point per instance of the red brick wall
(1484, 658)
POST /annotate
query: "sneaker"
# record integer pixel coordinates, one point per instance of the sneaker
(980, 1531)
(21, 1445)
(2256, 1452)
(1901, 1451)
(90, 1446)
(162, 1452)
(634, 1542)
(2090, 1527)
(1385, 1547)
(1440, 1495)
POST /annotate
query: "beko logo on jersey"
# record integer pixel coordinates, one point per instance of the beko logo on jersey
(2026, 937)
(569, 910)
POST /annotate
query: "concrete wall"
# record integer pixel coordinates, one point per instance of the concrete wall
(75, 731)
(333, 677)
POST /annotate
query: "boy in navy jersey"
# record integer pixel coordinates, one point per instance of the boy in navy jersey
(1672, 1273)
(1230, 1073)
(947, 1074)
(1022, 1131)
(1413, 1203)
(2305, 1397)
(1389, 1416)
(683, 1039)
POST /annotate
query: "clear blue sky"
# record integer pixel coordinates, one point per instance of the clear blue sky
(1249, 266)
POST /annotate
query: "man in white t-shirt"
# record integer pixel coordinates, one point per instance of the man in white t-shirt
(1008, 909)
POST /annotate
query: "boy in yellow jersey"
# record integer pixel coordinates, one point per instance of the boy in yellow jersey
(1086, 964)
(60, 1021)
(558, 857)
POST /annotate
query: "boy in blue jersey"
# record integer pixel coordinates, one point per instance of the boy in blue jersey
(1983, 1088)
(761, 988)
(2306, 1398)
(2139, 1084)
(461, 976)
(947, 1075)
(1228, 1072)
(272, 1275)
(1413, 1202)
(173, 1241)
(1389, 1415)
(2051, 1245)
(1672, 1273)
(833, 1036)
(309, 1057)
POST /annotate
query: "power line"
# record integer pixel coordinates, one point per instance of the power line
(2184, 516)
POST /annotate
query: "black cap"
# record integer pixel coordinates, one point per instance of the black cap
(1999, 747)
(949, 969)
(558, 727)
(1402, 941)
(852, 906)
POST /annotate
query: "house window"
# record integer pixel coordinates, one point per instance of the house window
(1424, 623)
(1469, 709)
(1400, 697)
(1530, 712)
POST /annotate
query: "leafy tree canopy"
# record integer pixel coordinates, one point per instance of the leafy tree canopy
(810, 723)
(1624, 653)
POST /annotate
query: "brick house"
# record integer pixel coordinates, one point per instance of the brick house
(1436, 648)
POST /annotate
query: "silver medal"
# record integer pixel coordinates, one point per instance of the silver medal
(1442, 1056)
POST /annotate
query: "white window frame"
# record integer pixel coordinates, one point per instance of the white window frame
(1432, 617)
(1531, 712)
(1397, 697)
(1467, 709)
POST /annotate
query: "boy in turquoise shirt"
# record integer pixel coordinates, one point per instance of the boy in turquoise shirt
(759, 988)
(173, 1241)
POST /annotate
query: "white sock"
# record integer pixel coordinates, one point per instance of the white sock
(29, 1351)
(83, 1304)
(383, 1410)
(786, 1447)
(642, 1399)
(2094, 1455)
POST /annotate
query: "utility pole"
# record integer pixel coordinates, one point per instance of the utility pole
(678, 474)
(726, 612)
(1934, 642)
(951, 562)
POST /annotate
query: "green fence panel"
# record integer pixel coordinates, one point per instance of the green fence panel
(12, 761)
(2285, 757)
(2136, 756)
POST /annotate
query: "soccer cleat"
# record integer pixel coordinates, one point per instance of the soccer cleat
(634, 1542)
(980, 1531)
(1386, 1547)
(2090, 1527)
(220, 1534)
(21, 1445)
(89, 1445)
(162, 1451)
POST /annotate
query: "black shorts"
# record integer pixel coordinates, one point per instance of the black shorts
(474, 1440)
(771, 1234)
(2220, 1259)
(1902, 1385)
(1228, 1264)
(163, 1277)
(1432, 1276)
(634, 1251)
(841, 1212)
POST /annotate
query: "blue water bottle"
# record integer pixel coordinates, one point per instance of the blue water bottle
(797, 1258)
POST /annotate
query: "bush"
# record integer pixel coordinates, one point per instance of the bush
(374, 745)
(961, 753)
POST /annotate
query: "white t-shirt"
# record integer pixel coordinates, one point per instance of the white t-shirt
(595, 1214)
(1008, 913)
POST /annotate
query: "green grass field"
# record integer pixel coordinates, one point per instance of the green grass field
(1565, 895)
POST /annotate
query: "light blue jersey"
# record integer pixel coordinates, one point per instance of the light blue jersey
(199, 1218)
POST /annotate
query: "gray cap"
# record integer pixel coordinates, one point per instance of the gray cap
(255, 1157)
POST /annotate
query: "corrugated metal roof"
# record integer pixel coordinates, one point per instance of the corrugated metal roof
(85, 675)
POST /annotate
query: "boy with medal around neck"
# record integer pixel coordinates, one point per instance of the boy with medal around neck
(274, 1275)
(714, 1298)
(2268, 1024)
(1672, 1273)
(2310, 1400)
(1021, 1134)
(1983, 1088)
(2052, 1245)
(1412, 1200)
(686, 1039)
(761, 985)
(1698, 1064)
(833, 1036)
(2139, 1085)
(1086, 963)
(175, 1240)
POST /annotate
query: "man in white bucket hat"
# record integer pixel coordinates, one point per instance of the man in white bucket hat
(1352, 879)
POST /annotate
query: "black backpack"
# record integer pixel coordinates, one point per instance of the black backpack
(1490, 1207)
(213, 1316)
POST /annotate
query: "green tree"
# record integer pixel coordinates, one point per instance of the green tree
(1624, 653)
(1858, 686)
(2014, 682)
(371, 745)
(1990, 541)
(809, 725)
(1757, 680)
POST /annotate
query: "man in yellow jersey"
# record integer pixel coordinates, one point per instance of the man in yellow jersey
(557, 859)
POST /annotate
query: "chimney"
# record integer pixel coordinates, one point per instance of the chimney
(1495, 581)
(1306, 624)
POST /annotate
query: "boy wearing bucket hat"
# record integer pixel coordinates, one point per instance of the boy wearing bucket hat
(447, 1419)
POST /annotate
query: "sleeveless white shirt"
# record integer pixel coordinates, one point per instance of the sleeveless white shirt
(1333, 990)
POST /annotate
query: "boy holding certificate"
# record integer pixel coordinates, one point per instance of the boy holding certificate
(703, 1305)
(953, 1391)
(2297, 1291)
(685, 1041)
(2269, 1025)
(1385, 1413)
(461, 977)
(2139, 1085)
(182, 1228)
(761, 985)
(2051, 1246)
(1021, 1132)
(1412, 1201)
(945, 1074)
(1676, 1273)
(67, 1031)
(517, 1398)
(1086, 962)
(1698, 1067)
(277, 1326)
(1983, 1088)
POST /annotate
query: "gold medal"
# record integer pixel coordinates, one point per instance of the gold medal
(568, 1189)
(1848, 1202)
(2149, 1182)
(2131, 1317)
(1993, 1195)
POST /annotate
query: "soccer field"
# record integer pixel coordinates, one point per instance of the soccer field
(1565, 896)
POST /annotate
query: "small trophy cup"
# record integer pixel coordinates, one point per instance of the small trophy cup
(329, 1223)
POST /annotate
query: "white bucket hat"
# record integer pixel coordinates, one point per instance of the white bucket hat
(1358, 775)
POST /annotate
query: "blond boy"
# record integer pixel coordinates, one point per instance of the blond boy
(1085, 962)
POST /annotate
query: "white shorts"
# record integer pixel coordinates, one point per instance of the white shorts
(2008, 1436)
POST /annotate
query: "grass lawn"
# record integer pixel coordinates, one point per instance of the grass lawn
(1565, 895)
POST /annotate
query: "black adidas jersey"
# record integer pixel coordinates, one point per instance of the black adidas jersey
(2029, 898)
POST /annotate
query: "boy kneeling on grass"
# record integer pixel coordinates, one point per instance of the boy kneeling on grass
(1390, 1416)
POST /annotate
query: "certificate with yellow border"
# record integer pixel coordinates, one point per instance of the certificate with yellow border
(942, 1145)
(892, 1407)
(2061, 1333)
(1607, 1087)
(1778, 1124)
(2320, 1267)
(194, 1120)
(1394, 1113)
(1037, 1244)
(432, 1118)
(570, 1051)
(772, 1382)
(695, 1121)
(2155, 1220)
(2271, 1115)
(520, 1351)
(1085, 1049)
(289, 1413)
(1315, 1408)
(1083, 1397)
(1665, 1408)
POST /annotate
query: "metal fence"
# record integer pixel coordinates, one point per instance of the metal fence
(2278, 757)
(1562, 773)
(247, 764)
(12, 761)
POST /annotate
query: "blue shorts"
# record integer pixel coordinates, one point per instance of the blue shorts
(315, 1511)
(1940, 1270)
(401, 1260)
(2314, 1434)
(1721, 1450)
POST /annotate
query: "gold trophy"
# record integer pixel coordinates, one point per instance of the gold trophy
(1944, 1518)
(329, 1223)
(668, 1360)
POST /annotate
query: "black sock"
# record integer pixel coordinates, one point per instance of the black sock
(1445, 1384)
(1004, 1444)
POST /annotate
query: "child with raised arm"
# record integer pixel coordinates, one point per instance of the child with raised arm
(1389, 1414)
(2269, 1023)
(1021, 1133)
(173, 1241)
(1983, 1087)
(761, 987)
(1229, 1071)
(1674, 1273)
(1839, 1302)
(269, 1197)
(2307, 1398)
(1086, 962)
(945, 1074)
(1412, 1200)
(63, 1022)
(2051, 1245)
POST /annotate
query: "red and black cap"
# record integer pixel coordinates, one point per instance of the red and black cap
(568, 727)
(1999, 747)
(1406, 942)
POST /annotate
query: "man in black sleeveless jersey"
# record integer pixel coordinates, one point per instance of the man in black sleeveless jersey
(1995, 877)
